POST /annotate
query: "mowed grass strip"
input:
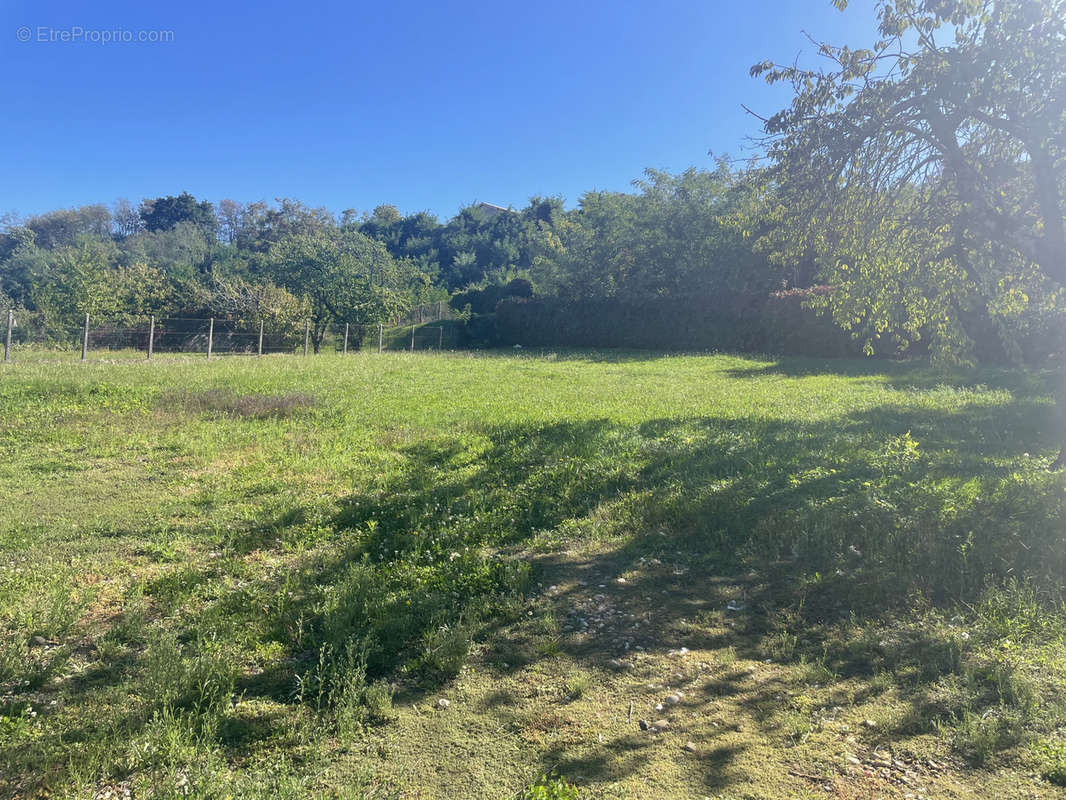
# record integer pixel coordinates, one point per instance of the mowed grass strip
(260, 577)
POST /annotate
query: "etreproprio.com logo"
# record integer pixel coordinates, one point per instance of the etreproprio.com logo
(76, 34)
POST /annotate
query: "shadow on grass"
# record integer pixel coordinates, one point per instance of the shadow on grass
(903, 373)
(406, 572)
(623, 756)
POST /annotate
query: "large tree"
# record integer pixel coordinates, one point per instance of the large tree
(344, 276)
(163, 213)
(62, 227)
(675, 238)
(927, 173)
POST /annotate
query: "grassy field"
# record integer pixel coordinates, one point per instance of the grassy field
(441, 576)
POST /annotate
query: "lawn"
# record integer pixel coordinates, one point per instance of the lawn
(444, 575)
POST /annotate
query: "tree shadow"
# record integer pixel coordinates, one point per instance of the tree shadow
(622, 756)
(905, 373)
(414, 565)
(587, 356)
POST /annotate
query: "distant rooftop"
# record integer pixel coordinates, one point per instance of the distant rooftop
(492, 210)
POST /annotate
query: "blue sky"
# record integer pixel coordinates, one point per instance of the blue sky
(428, 105)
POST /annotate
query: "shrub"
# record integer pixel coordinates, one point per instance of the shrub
(198, 681)
(480, 331)
(483, 300)
(980, 736)
(659, 322)
(378, 699)
(444, 650)
(577, 685)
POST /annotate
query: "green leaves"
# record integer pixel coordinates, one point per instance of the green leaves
(680, 235)
(344, 276)
(923, 171)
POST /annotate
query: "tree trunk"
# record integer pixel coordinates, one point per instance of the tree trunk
(1060, 420)
(318, 334)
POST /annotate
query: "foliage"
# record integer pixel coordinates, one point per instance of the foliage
(661, 250)
(1051, 761)
(676, 237)
(62, 228)
(343, 276)
(550, 787)
(483, 299)
(245, 305)
(790, 327)
(183, 251)
(925, 173)
(24, 268)
(780, 323)
(87, 278)
(164, 213)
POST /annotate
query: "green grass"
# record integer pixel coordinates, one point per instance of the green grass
(258, 577)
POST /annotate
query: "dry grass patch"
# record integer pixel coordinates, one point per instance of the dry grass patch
(219, 402)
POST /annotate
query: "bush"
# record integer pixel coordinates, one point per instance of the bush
(480, 327)
(378, 699)
(978, 737)
(480, 331)
(444, 650)
(483, 300)
(196, 682)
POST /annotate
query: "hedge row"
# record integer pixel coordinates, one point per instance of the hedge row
(778, 324)
(484, 300)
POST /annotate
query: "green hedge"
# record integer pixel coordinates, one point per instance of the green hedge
(484, 300)
(778, 324)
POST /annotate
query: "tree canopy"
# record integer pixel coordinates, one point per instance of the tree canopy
(344, 275)
(926, 172)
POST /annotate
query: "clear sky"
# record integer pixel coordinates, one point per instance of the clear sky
(426, 105)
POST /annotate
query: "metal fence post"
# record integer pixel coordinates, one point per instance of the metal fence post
(381, 334)
(412, 338)
(85, 338)
(7, 340)
(440, 346)
(345, 338)
(151, 336)
(260, 353)
(210, 337)
(307, 335)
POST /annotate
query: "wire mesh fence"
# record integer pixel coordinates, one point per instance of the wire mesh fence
(427, 312)
(152, 336)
